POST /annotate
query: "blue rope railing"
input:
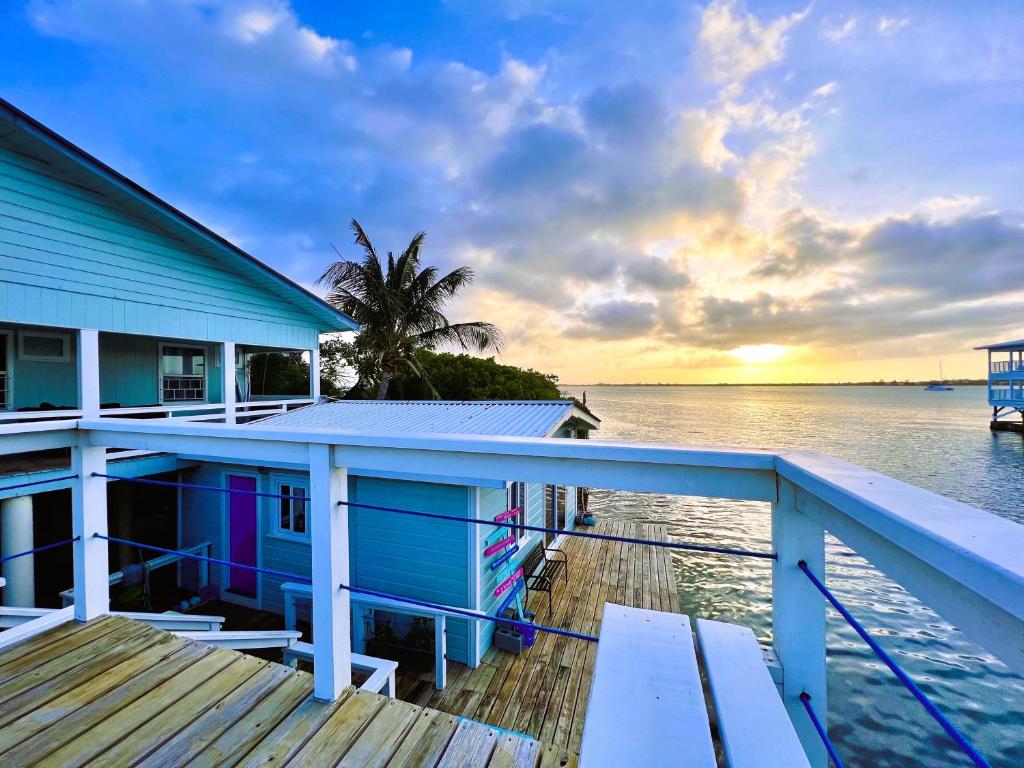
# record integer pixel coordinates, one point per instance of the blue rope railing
(805, 699)
(37, 482)
(35, 550)
(356, 590)
(578, 534)
(471, 520)
(941, 719)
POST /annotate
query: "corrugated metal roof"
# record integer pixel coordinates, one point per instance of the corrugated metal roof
(523, 418)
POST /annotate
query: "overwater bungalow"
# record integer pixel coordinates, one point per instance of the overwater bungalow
(1005, 383)
(193, 575)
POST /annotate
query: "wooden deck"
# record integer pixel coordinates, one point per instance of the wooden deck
(114, 692)
(543, 692)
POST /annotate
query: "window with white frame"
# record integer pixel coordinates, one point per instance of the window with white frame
(291, 512)
(182, 373)
(5, 374)
(517, 499)
(44, 347)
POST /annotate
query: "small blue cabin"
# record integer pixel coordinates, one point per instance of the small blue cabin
(1005, 378)
(427, 559)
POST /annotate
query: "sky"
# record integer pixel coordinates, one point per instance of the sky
(647, 191)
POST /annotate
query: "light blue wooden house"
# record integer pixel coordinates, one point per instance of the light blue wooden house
(115, 304)
(440, 561)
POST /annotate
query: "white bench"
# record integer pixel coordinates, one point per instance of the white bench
(754, 726)
(647, 703)
(382, 671)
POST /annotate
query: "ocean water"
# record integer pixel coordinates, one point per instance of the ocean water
(935, 440)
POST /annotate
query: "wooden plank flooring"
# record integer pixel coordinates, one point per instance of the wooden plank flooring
(543, 692)
(114, 692)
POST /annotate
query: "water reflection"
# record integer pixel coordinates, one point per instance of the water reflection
(939, 441)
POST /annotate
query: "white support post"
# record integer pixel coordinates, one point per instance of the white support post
(89, 517)
(89, 373)
(332, 645)
(798, 617)
(314, 372)
(16, 536)
(228, 381)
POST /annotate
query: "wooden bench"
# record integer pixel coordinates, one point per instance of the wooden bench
(539, 570)
(648, 659)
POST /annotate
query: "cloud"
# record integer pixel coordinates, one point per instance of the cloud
(891, 25)
(836, 31)
(734, 44)
(655, 191)
(621, 319)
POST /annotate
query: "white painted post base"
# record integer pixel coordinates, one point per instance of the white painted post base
(332, 645)
(16, 536)
(228, 380)
(798, 617)
(89, 517)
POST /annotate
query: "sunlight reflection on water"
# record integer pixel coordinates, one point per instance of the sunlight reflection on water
(936, 440)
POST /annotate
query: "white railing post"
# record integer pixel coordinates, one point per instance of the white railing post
(228, 381)
(89, 373)
(332, 645)
(88, 517)
(314, 372)
(798, 617)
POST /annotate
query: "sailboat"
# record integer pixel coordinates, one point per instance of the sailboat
(941, 386)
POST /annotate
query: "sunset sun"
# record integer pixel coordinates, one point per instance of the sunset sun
(759, 353)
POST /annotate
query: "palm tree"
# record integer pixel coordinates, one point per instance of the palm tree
(401, 309)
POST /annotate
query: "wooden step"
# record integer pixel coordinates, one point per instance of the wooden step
(754, 726)
(646, 702)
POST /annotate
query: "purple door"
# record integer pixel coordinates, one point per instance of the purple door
(242, 534)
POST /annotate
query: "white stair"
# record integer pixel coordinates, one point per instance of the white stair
(382, 671)
(752, 720)
(243, 639)
(646, 703)
(11, 617)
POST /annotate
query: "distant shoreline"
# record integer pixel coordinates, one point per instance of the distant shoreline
(950, 382)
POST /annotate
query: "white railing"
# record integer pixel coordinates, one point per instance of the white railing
(202, 549)
(213, 412)
(962, 562)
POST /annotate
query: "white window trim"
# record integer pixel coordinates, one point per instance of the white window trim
(64, 358)
(160, 371)
(9, 370)
(523, 536)
(292, 483)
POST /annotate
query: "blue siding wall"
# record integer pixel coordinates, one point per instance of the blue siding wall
(421, 558)
(74, 258)
(202, 519)
(34, 382)
(130, 369)
(493, 502)
(414, 557)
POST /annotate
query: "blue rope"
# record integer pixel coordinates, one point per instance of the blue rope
(805, 699)
(43, 548)
(355, 590)
(37, 482)
(580, 534)
(200, 487)
(910, 685)
(471, 520)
